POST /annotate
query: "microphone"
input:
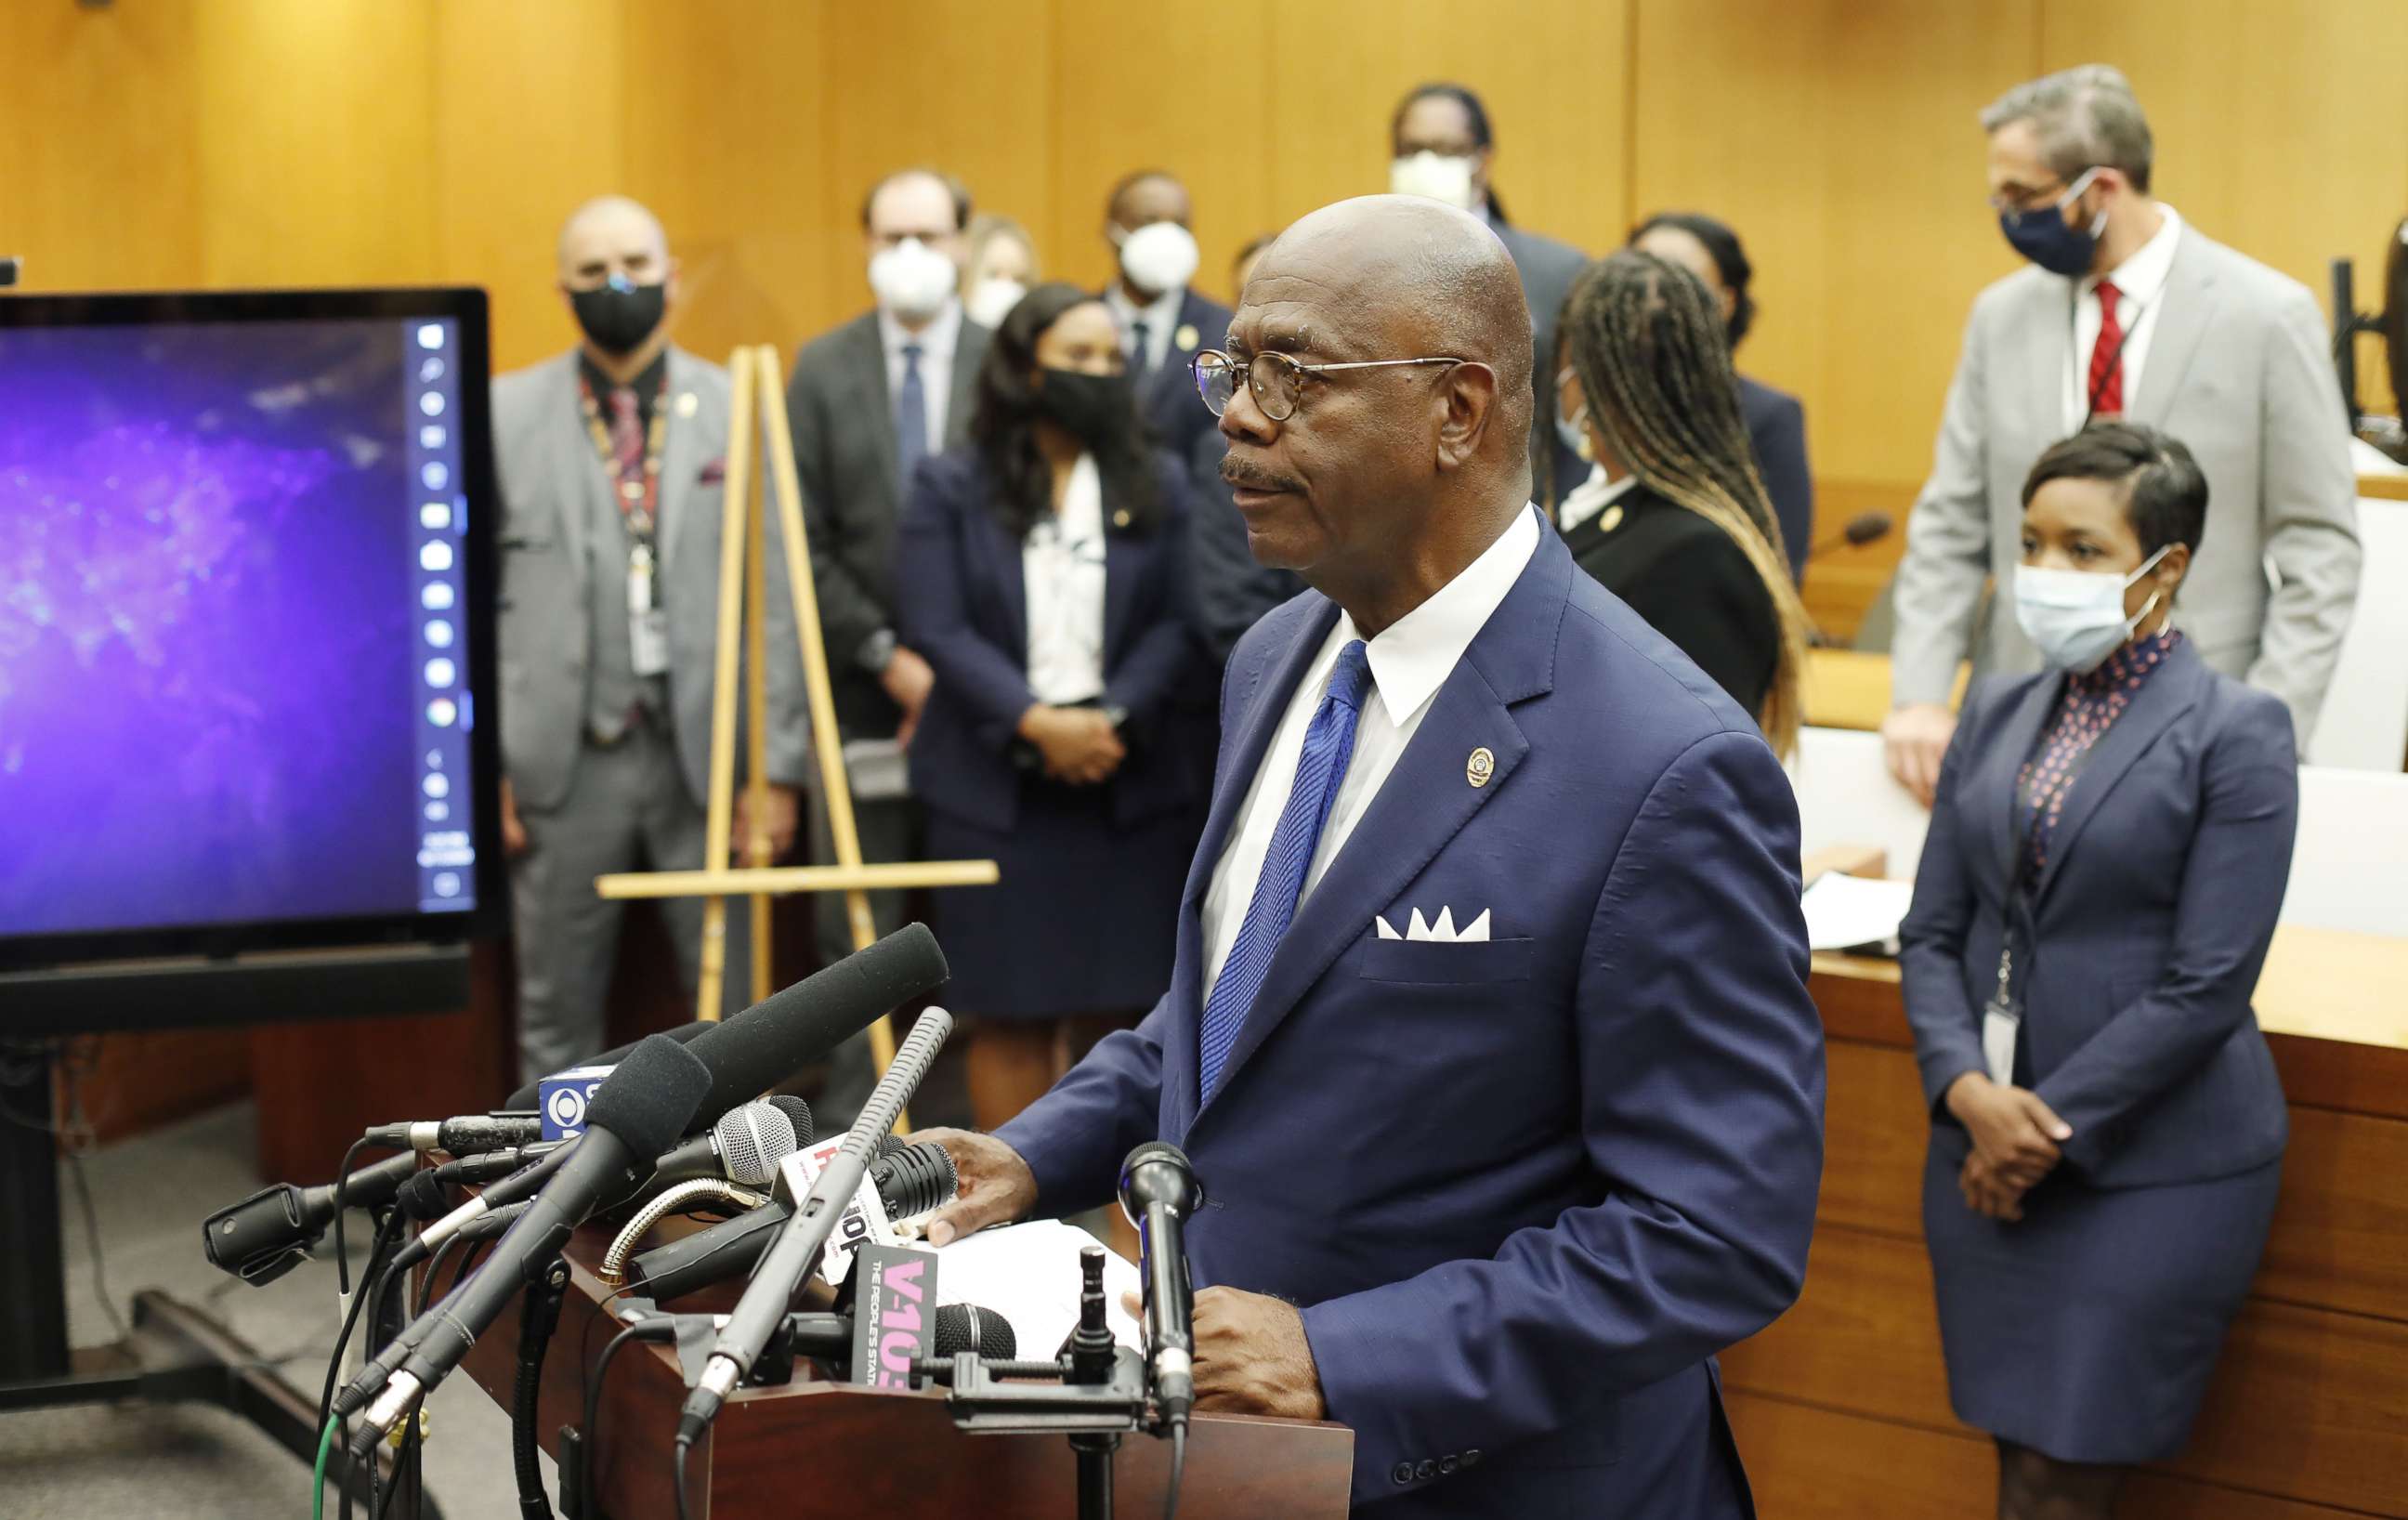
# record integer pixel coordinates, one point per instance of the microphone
(428, 1194)
(527, 1098)
(636, 1114)
(268, 1233)
(910, 1180)
(464, 1136)
(762, 1046)
(744, 1146)
(1159, 1190)
(957, 1328)
(1861, 530)
(798, 1245)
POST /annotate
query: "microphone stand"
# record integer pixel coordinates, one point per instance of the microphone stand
(1098, 1394)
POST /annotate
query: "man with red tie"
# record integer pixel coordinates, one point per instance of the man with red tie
(2127, 312)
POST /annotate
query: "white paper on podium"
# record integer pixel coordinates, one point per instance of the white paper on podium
(1845, 912)
(1029, 1274)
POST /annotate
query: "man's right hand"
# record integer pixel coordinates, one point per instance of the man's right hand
(908, 679)
(514, 840)
(997, 1186)
(1914, 739)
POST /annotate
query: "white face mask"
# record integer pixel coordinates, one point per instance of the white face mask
(912, 279)
(992, 299)
(1159, 256)
(1437, 175)
(2075, 618)
(1573, 430)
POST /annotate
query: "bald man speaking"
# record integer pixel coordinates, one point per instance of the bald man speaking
(1488, 1035)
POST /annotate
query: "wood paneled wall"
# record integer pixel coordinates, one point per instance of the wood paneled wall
(263, 141)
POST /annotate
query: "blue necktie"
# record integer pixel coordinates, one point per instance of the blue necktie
(911, 416)
(1328, 745)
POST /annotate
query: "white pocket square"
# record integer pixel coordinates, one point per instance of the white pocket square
(1444, 932)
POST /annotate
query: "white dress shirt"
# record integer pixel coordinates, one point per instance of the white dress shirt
(1062, 569)
(1592, 497)
(1161, 319)
(2141, 280)
(937, 342)
(1409, 661)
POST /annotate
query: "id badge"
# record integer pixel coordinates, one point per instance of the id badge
(2000, 1020)
(648, 626)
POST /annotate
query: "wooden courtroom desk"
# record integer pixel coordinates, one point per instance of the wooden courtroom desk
(1841, 1407)
(1847, 688)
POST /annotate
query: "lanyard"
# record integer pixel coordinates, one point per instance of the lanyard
(638, 500)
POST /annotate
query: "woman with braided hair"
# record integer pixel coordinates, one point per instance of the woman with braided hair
(1673, 518)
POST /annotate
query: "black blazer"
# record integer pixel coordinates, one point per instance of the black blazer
(2148, 931)
(1167, 397)
(1776, 431)
(1691, 583)
(843, 424)
(963, 603)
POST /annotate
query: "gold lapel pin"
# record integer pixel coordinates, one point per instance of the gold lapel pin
(1186, 336)
(686, 403)
(1482, 766)
(1612, 519)
(1120, 518)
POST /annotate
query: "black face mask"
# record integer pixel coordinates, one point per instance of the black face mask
(619, 316)
(1100, 411)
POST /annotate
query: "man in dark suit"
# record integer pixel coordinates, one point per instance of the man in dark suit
(867, 402)
(1163, 322)
(1487, 1032)
(1444, 150)
(611, 459)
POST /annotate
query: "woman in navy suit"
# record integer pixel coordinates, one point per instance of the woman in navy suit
(2108, 851)
(1040, 569)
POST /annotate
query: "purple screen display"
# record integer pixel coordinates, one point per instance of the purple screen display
(209, 688)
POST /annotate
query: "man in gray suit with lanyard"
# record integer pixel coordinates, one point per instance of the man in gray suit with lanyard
(869, 401)
(611, 459)
(2127, 311)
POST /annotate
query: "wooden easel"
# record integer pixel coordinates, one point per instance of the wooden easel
(743, 595)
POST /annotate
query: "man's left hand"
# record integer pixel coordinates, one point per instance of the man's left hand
(1252, 1358)
(776, 821)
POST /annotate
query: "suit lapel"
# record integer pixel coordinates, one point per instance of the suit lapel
(2043, 348)
(679, 463)
(1425, 800)
(2190, 300)
(867, 362)
(582, 506)
(970, 353)
(1123, 558)
(2167, 694)
(1994, 781)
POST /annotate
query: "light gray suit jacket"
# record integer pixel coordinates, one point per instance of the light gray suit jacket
(553, 490)
(2238, 370)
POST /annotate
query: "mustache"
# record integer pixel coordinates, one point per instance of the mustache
(1246, 473)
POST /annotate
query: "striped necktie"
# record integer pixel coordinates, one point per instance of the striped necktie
(1328, 745)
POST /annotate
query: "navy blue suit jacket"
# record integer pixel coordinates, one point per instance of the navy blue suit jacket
(1524, 1190)
(1776, 431)
(962, 602)
(1167, 397)
(2151, 922)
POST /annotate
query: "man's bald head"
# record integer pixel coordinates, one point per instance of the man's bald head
(611, 228)
(1384, 480)
(1422, 279)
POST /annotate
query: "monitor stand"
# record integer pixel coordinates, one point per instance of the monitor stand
(175, 1353)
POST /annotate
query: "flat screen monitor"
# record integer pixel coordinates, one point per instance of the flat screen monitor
(246, 624)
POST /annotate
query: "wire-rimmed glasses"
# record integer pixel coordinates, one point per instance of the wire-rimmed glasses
(1276, 380)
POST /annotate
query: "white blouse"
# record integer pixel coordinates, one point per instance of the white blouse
(1062, 569)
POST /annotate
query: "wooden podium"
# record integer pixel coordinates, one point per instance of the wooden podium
(828, 1449)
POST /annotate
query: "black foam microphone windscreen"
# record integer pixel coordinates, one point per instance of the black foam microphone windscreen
(764, 1045)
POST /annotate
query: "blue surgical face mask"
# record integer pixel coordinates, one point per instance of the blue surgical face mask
(2075, 618)
(2044, 236)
